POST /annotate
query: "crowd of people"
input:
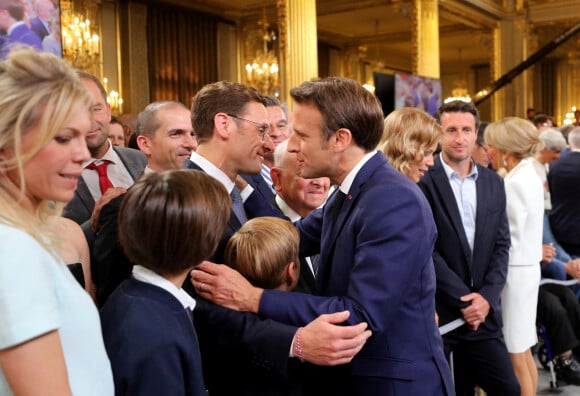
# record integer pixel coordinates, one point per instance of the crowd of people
(243, 250)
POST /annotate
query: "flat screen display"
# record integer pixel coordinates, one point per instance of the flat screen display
(416, 91)
(31, 23)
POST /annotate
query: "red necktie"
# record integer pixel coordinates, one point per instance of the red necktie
(104, 182)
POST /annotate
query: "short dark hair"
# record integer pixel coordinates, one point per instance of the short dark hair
(161, 209)
(88, 76)
(272, 101)
(481, 132)
(344, 103)
(14, 7)
(458, 106)
(540, 118)
(147, 121)
(220, 97)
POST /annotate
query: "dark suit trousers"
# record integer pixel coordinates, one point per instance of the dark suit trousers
(559, 312)
(484, 363)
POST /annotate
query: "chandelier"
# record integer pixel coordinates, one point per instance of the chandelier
(569, 117)
(262, 72)
(459, 93)
(81, 46)
(114, 99)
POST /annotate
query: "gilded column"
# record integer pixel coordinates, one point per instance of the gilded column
(135, 70)
(510, 49)
(298, 43)
(573, 92)
(426, 38)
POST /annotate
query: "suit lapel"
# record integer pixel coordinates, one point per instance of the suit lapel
(132, 167)
(450, 204)
(330, 232)
(85, 195)
(482, 203)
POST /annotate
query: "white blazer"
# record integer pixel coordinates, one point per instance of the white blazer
(525, 210)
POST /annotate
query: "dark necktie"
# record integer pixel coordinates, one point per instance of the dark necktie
(238, 206)
(334, 208)
(314, 261)
(104, 181)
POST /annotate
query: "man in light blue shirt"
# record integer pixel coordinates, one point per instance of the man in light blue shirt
(471, 255)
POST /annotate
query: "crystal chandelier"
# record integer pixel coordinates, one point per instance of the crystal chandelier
(459, 93)
(114, 99)
(81, 45)
(262, 72)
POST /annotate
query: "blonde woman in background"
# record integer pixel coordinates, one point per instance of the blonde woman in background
(512, 144)
(410, 138)
(50, 338)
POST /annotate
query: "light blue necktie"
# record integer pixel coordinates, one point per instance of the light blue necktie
(238, 206)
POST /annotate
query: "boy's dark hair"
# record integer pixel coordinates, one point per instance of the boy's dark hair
(171, 221)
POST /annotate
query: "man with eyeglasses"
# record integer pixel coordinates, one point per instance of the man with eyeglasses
(278, 132)
(231, 124)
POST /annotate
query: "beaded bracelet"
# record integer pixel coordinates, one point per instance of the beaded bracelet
(299, 345)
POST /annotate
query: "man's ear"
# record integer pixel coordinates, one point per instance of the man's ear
(222, 125)
(341, 139)
(144, 144)
(275, 174)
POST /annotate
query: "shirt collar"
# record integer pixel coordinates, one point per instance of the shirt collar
(212, 170)
(147, 276)
(110, 156)
(287, 210)
(14, 26)
(450, 172)
(349, 179)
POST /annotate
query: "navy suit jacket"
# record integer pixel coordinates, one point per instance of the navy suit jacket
(235, 344)
(151, 342)
(38, 27)
(376, 263)
(254, 205)
(260, 185)
(23, 35)
(564, 181)
(82, 205)
(458, 271)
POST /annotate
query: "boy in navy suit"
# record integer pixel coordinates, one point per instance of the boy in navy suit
(168, 223)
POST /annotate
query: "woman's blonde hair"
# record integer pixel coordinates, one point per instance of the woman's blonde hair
(408, 132)
(36, 90)
(261, 249)
(514, 135)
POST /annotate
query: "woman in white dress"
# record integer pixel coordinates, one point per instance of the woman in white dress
(50, 333)
(512, 143)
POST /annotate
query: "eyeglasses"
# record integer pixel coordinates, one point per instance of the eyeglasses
(262, 128)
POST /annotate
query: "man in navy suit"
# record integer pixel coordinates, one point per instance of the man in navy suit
(231, 124)
(11, 21)
(297, 197)
(44, 13)
(124, 165)
(278, 133)
(375, 237)
(564, 181)
(471, 255)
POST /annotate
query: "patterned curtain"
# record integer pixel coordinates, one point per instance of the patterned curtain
(182, 52)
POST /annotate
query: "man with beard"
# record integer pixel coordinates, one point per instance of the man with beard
(167, 139)
(109, 172)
